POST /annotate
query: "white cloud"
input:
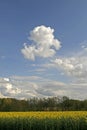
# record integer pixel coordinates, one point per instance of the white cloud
(6, 79)
(24, 87)
(71, 66)
(75, 65)
(44, 43)
(7, 89)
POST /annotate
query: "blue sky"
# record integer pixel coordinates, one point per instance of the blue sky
(26, 59)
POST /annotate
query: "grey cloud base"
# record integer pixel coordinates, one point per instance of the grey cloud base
(16, 87)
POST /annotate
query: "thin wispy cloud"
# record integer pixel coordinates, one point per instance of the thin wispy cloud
(2, 57)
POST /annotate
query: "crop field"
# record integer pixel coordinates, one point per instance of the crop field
(74, 120)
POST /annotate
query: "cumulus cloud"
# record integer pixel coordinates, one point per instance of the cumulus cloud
(7, 89)
(44, 43)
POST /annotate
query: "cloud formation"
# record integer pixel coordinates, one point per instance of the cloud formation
(75, 65)
(44, 43)
(28, 87)
(7, 89)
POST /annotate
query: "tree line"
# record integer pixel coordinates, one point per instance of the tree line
(43, 104)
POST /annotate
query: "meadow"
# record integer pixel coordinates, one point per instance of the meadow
(69, 120)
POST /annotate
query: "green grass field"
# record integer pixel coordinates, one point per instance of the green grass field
(75, 120)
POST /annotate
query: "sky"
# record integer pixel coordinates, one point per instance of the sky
(43, 48)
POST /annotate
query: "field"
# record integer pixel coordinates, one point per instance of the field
(75, 120)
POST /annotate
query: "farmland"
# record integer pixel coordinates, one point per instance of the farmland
(69, 120)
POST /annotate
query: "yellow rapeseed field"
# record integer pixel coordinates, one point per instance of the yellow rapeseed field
(68, 120)
(72, 114)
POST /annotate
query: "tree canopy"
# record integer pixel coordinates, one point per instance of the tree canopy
(42, 104)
